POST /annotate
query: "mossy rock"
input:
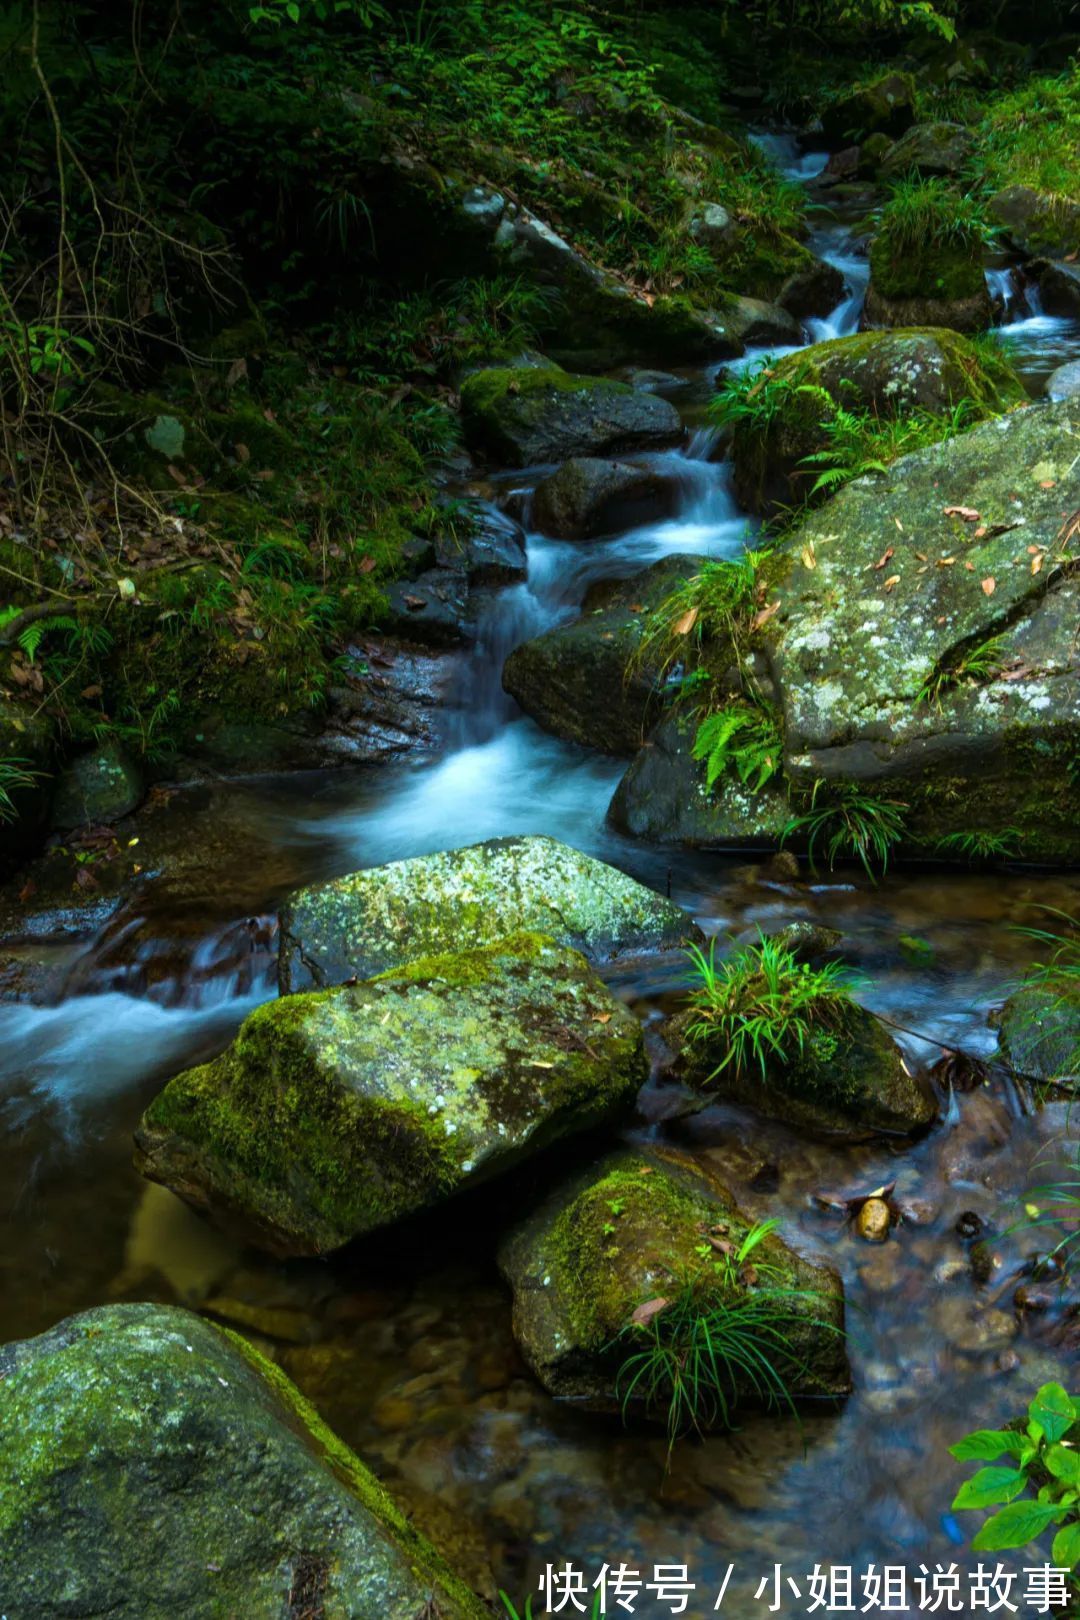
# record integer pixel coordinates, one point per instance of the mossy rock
(864, 651)
(1040, 1030)
(381, 918)
(594, 495)
(854, 1086)
(100, 786)
(1037, 222)
(941, 149)
(339, 1112)
(528, 415)
(582, 680)
(939, 286)
(152, 1466)
(625, 1233)
(664, 798)
(886, 104)
(885, 373)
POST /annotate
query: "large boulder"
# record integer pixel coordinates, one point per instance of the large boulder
(153, 1466)
(1064, 382)
(627, 1233)
(100, 786)
(886, 105)
(942, 149)
(1040, 1029)
(855, 1086)
(816, 289)
(592, 495)
(584, 680)
(1059, 287)
(884, 373)
(940, 285)
(888, 599)
(1037, 222)
(758, 324)
(371, 921)
(527, 415)
(339, 1112)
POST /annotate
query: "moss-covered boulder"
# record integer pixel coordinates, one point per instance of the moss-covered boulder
(940, 284)
(942, 149)
(884, 373)
(885, 104)
(527, 415)
(665, 798)
(153, 1466)
(371, 921)
(1039, 1029)
(341, 1111)
(629, 1232)
(924, 645)
(1037, 222)
(814, 289)
(594, 495)
(584, 680)
(851, 1084)
(99, 786)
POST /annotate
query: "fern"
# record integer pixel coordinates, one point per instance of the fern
(742, 739)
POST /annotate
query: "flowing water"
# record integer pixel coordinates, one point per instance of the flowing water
(406, 1345)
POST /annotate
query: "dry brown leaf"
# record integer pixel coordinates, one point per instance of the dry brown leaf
(763, 615)
(243, 454)
(980, 531)
(684, 625)
(886, 556)
(645, 1313)
(1037, 562)
(945, 562)
(1046, 483)
(921, 556)
(968, 513)
(989, 586)
(602, 1018)
(892, 582)
(970, 566)
(367, 564)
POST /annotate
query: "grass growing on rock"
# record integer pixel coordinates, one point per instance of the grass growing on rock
(849, 824)
(929, 241)
(762, 1007)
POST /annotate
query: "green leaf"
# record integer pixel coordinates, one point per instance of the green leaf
(983, 1445)
(1016, 1525)
(1052, 1409)
(1064, 1464)
(1066, 1549)
(989, 1487)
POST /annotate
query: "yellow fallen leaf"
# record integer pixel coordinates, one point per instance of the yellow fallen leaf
(684, 625)
(945, 562)
(989, 586)
(893, 580)
(808, 558)
(970, 566)
(602, 1018)
(1036, 562)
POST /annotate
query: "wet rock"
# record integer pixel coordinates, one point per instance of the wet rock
(582, 680)
(590, 496)
(339, 1112)
(974, 1330)
(756, 323)
(815, 290)
(969, 1225)
(652, 381)
(491, 551)
(96, 788)
(983, 1262)
(888, 105)
(385, 916)
(1037, 222)
(885, 373)
(390, 702)
(941, 286)
(807, 941)
(852, 654)
(783, 867)
(152, 1467)
(614, 1239)
(915, 951)
(941, 149)
(531, 415)
(874, 1220)
(435, 608)
(1039, 1032)
(854, 1086)
(1064, 383)
(1059, 288)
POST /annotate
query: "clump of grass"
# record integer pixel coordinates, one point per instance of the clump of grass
(741, 738)
(762, 1007)
(926, 212)
(758, 395)
(980, 845)
(726, 1332)
(15, 775)
(861, 442)
(849, 823)
(717, 602)
(971, 668)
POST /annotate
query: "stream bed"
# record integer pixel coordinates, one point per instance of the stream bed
(405, 1345)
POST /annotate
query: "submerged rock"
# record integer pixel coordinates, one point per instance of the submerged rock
(533, 414)
(152, 1466)
(582, 680)
(339, 1112)
(591, 496)
(381, 918)
(100, 786)
(1040, 1030)
(624, 1234)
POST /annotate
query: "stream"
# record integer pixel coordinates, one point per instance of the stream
(405, 1346)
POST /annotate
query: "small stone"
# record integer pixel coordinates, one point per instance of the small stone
(392, 1412)
(984, 1262)
(1032, 1299)
(968, 1225)
(873, 1220)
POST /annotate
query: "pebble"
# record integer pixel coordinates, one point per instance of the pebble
(873, 1220)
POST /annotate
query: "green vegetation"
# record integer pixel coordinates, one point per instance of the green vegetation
(761, 1007)
(862, 441)
(713, 607)
(850, 824)
(1042, 1460)
(970, 668)
(979, 845)
(1029, 134)
(727, 1327)
(928, 241)
(741, 738)
(15, 775)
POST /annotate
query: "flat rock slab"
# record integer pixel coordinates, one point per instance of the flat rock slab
(339, 1112)
(153, 1466)
(368, 922)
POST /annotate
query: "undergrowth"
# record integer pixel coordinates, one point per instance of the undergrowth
(848, 823)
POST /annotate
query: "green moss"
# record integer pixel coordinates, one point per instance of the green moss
(942, 272)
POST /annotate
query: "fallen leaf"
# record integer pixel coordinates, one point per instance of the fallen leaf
(684, 625)
(807, 557)
(921, 556)
(242, 453)
(980, 531)
(415, 603)
(989, 586)
(1036, 562)
(899, 525)
(366, 565)
(945, 562)
(602, 1018)
(90, 692)
(892, 581)
(885, 557)
(968, 513)
(645, 1313)
(970, 566)
(763, 615)
(1046, 483)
